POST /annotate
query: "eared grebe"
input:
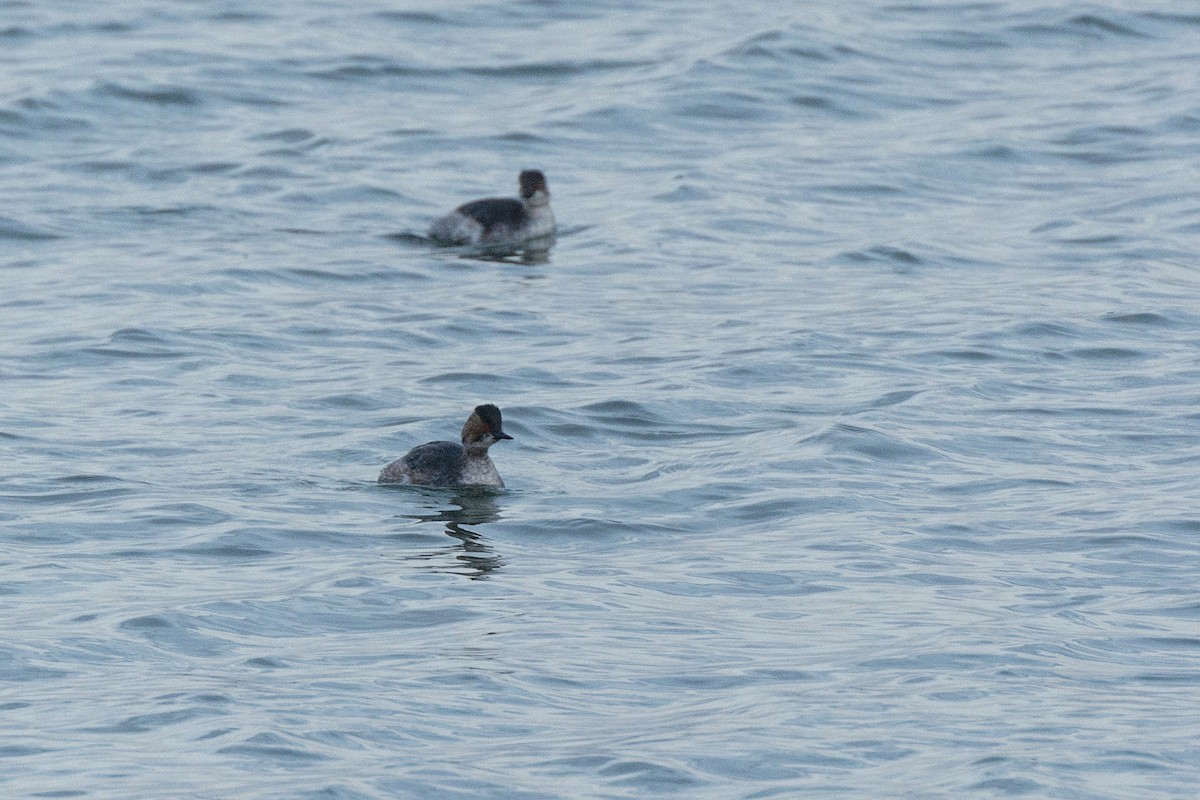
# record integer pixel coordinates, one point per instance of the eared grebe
(499, 220)
(450, 464)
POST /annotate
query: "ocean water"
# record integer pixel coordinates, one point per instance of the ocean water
(856, 406)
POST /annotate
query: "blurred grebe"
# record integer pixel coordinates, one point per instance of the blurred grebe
(500, 219)
(452, 464)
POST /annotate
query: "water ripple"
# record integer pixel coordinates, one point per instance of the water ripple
(854, 402)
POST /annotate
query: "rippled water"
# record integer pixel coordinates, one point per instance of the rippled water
(855, 406)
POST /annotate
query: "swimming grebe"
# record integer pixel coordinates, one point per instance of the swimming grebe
(499, 220)
(450, 464)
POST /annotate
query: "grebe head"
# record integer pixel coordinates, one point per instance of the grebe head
(533, 187)
(483, 428)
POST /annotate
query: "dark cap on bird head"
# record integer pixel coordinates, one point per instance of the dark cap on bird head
(532, 180)
(490, 416)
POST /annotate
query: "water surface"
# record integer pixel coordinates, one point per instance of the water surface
(854, 407)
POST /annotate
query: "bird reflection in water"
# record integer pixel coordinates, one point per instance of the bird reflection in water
(533, 251)
(467, 508)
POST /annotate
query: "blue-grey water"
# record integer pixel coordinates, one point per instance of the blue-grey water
(856, 407)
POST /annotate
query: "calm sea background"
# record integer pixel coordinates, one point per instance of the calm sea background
(856, 407)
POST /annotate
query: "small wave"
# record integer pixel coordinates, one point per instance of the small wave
(474, 379)
(1047, 329)
(15, 32)
(1149, 318)
(646, 777)
(1012, 787)
(154, 95)
(225, 553)
(828, 103)
(1097, 22)
(176, 633)
(882, 254)
(408, 237)
(287, 135)
(242, 16)
(1094, 134)
(627, 411)
(34, 116)
(1173, 18)
(144, 723)
(994, 152)
(725, 105)
(20, 231)
(1080, 26)
(547, 69)
(273, 748)
(373, 68)
(962, 354)
(874, 444)
(1108, 354)
(348, 401)
(136, 343)
(418, 17)
(777, 46)
(21, 750)
(84, 498)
